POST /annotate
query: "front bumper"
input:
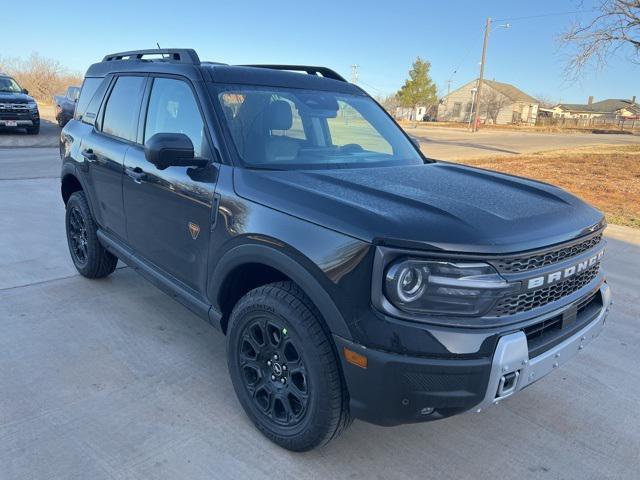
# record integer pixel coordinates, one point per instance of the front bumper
(395, 389)
(19, 119)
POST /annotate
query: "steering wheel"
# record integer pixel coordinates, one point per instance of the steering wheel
(351, 148)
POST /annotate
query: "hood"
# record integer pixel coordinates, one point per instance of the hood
(10, 97)
(435, 206)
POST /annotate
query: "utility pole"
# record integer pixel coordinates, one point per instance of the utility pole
(474, 127)
(354, 73)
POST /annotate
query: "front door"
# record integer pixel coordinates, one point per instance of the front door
(169, 212)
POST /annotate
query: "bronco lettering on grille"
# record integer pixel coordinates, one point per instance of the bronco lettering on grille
(558, 275)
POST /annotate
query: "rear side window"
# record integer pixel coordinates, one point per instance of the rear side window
(121, 111)
(89, 87)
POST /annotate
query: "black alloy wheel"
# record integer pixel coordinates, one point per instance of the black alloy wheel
(273, 371)
(78, 236)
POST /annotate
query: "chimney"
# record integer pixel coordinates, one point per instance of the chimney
(590, 99)
(633, 100)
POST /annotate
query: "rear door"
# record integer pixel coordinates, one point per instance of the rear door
(104, 148)
(169, 212)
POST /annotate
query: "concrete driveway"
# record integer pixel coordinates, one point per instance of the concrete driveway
(112, 379)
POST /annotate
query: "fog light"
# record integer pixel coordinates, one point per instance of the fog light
(427, 411)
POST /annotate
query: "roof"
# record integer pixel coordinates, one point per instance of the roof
(511, 92)
(611, 105)
(187, 63)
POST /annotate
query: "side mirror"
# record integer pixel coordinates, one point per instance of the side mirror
(171, 150)
(25, 91)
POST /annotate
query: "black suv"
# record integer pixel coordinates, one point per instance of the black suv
(17, 108)
(352, 276)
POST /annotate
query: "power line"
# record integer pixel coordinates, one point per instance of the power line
(544, 15)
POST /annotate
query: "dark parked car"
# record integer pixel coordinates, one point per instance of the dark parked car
(352, 276)
(65, 105)
(17, 108)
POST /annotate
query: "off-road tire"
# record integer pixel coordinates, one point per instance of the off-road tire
(96, 262)
(288, 308)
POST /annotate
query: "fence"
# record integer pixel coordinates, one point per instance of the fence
(604, 121)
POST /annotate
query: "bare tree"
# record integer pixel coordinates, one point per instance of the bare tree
(616, 26)
(43, 77)
(390, 103)
(491, 104)
(546, 101)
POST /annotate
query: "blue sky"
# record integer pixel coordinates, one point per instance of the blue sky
(382, 37)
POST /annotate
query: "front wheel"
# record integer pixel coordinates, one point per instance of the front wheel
(90, 258)
(284, 369)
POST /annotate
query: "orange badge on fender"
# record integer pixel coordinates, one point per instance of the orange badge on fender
(194, 230)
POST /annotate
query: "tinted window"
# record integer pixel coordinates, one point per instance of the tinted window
(173, 109)
(293, 128)
(121, 112)
(349, 127)
(89, 87)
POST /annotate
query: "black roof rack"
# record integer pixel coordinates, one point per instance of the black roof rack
(311, 70)
(176, 55)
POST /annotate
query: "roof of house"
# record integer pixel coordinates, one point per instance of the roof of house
(611, 105)
(510, 91)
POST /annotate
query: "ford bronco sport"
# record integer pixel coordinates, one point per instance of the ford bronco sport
(352, 276)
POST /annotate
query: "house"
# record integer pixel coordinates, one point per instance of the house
(612, 109)
(500, 103)
(420, 113)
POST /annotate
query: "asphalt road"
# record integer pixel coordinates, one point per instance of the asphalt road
(112, 379)
(454, 143)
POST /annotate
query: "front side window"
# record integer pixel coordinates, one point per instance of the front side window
(8, 84)
(174, 109)
(121, 111)
(288, 128)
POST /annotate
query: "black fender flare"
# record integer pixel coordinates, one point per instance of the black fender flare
(71, 169)
(269, 256)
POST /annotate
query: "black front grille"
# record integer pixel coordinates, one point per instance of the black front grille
(544, 335)
(530, 262)
(542, 296)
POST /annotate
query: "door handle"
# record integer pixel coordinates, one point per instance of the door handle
(137, 174)
(88, 154)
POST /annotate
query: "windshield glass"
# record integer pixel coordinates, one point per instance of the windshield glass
(8, 84)
(287, 128)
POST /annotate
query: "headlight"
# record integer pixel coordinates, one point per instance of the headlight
(32, 105)
(440, 287)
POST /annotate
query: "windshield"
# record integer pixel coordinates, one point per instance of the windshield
(8, 84)
(287, 128)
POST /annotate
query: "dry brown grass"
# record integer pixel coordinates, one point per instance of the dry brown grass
(606, 176)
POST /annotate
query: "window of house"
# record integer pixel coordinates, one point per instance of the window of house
(121, 111)
(457, 107)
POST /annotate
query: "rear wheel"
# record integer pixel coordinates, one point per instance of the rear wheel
(90, 258)
(284, 369)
